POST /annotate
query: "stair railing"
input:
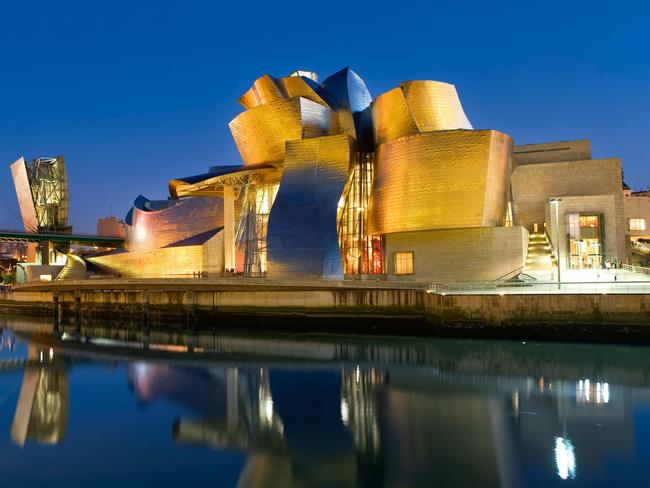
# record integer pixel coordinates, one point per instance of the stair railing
(553, 251)
(508, 275)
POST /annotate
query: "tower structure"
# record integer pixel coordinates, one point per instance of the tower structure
(42, 189)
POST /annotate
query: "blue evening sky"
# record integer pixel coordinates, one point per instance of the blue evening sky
(134, 93)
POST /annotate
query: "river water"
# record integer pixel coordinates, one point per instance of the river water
(116, 405)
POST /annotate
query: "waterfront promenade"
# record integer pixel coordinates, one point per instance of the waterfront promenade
(610, 310)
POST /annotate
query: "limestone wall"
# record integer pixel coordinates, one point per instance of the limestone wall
(610, 206)
(593, 315)
(539, 310)
(552, 152)
(477, 254)
(637, 207)
(534, 184)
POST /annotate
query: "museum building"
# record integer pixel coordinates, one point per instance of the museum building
(334, 184)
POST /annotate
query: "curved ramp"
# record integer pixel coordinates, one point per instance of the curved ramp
(74, 269)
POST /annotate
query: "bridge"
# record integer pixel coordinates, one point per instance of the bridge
(81, 239)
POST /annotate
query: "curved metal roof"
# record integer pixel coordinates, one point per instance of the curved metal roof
(211, 183)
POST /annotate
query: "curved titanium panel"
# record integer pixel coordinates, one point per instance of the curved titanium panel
(347, 94)
(181, 219)
(416, 107)
(302, 235)
(261, 132)
(345, 90)
(24, 194)
(441, 180)
(434, 105)
(264, 90)
(297, 86)
(391, 117)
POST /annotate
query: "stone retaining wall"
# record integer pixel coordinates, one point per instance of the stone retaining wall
(400, 311)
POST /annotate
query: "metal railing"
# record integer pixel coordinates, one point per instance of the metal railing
(542, 287)
(635, 269)
(510, 274)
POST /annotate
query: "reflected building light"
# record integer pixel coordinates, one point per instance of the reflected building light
(515, 402)
(589, 392)
(40, 356)
(565, 459)
(268, 419)
(51, 354)
(358, 375)
(268, 409)
(345, 411)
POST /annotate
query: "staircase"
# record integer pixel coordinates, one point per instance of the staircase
(540, 262)
(75, 268)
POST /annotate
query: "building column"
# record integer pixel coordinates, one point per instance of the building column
(228, 227)
(45, 252)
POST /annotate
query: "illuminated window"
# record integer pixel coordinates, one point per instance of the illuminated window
(636, 224)
(403, 263)
(589, 221)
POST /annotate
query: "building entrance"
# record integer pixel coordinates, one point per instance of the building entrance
(585, 241)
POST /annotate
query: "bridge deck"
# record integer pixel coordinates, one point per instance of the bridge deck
(88, 239)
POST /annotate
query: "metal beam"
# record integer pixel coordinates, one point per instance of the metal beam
(102, 241)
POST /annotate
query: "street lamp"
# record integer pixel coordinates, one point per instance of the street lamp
(557, 202)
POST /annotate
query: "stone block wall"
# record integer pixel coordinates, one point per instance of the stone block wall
(610, 206)
(454, 255)
(549, 152)
(534, 184)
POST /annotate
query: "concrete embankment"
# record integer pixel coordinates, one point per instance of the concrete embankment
(339, 306)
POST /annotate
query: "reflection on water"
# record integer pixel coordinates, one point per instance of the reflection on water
(279, 411)
(42, 408)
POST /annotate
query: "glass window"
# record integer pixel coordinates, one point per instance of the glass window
(589, 221)
(573, 225)
(636, 224)
(403, 263)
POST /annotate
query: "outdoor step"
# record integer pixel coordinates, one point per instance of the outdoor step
(539, 258)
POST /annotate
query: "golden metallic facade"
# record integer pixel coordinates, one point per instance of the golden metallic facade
(261, 132)
(434, 105)
(267, 89)
(264, 90)
(348, 172)
(441, 180)
(296, 86)
(391, 117)
(415, 107)
(310, 132)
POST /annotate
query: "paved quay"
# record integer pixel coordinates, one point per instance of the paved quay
(347, 306)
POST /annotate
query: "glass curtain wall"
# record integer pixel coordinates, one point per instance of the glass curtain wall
(585, 233)
(362, 254)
